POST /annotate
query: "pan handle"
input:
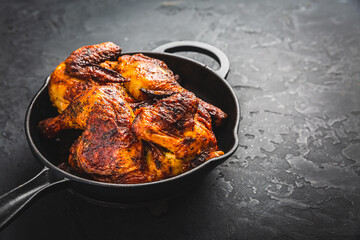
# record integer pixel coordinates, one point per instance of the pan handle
(12, 202)
(200, 47)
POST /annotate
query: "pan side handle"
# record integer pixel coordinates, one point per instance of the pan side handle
(199, 47)
(12, 202)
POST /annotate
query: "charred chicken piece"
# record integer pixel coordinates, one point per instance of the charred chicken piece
(172, 130)
(107, 150)
(75, 116)
(63, 88)
(84, 63)
(152, 74)
(179, 124)
(85, 67)
(146, 73)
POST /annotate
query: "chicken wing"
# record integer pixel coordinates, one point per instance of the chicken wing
(63, 87)
(87, 66)
(84, 62)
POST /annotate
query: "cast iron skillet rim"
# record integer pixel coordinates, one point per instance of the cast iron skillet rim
(119, 185)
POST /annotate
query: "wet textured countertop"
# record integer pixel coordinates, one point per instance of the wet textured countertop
(295, 66)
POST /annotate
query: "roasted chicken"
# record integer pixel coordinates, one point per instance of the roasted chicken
(146, 73)
(107, 150)
(85, 67)
(179, 124)
(84, 63)
(63, 87)
(179, 130)
(75, 116)
(139, 125)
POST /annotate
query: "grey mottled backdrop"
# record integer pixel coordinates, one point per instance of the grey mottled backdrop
(295, 66)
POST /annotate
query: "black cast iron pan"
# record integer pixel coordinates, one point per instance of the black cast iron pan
(196, 77)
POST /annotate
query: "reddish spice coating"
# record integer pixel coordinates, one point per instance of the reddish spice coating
(173, 115)
(63, 88)
(107, 150)
(148, 74)
(84, 63)
(170, 132)
(177, 123)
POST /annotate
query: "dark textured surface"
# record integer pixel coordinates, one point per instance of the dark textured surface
(295, 68)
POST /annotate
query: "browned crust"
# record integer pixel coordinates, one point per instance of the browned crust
(84, 62)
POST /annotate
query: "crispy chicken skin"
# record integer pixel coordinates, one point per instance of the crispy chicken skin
(146, 73)
(179, 124)
(139, 125)
(76, 114)
(63, 87)
(86, 66)
(162, 163)
(107, 150)
(84, 62)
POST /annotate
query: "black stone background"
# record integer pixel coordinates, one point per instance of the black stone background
(295, 66)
